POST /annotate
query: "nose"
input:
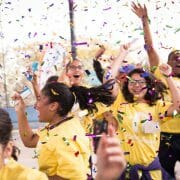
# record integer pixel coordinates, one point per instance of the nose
(136, 83)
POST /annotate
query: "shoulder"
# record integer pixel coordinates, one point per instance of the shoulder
(14, 169)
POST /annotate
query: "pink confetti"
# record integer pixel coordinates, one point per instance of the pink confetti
(107, 9)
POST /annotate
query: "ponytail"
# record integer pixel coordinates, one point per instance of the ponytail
(87, 97)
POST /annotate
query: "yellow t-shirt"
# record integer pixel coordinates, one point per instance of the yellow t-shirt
(13, 170)
(65, 151)
(171, 125)
(139, 131)
(87, 121)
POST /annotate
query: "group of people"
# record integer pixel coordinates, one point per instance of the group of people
(138, 105)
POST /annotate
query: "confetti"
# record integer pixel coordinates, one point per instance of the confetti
(76, 153)
(74, 137)
(105, 9)
(79, 43)
(54, 92)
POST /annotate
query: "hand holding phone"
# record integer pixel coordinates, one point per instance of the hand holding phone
(24, 94)
(99, 126)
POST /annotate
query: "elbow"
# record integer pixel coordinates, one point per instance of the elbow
(28, 144)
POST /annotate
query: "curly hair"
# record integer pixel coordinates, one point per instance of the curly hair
(155, 88)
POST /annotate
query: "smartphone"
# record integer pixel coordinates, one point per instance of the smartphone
(99, 126)
(87, 72)
(25, 92)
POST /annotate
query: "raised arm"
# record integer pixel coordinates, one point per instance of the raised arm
(97, 65)
(166, 70)
(113, 71)
(100, 52)
(141, 12)
(35, 85)
(28, 137)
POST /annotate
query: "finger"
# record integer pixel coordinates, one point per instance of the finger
(102, 144)
(117, 159)
(16, 96)
(140, 6)
(113, 141)
(111, 131)
(134, 5)
(145, 8)
(114, 150)
(134, 11)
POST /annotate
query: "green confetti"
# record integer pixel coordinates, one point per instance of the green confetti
(143, 121)
(42, 63)
(168, 26)
(177, 30)
(119, 117)
(177, 115)
(118, 42)
(153, 68)
(35, 154)
(55, 67)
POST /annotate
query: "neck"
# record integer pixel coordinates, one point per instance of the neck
(56, 119)
(140, 100)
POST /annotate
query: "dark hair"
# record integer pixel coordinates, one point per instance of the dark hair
(52, 79)
(5, 131)
(86, 97)
(5, 127)
(172, 53)
(98, 70)
(155, 88)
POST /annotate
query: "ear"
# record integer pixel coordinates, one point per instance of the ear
(54, 106)
(8, 149)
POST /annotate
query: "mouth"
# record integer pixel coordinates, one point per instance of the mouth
(76, 76)
(177, 58)
(138, 91)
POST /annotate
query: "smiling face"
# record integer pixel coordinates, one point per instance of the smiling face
(174, 62)
(75, 72)
(44, 108)
(137, 86)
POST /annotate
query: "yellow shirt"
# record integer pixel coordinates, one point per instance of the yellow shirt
(87, 121)
(65, 151)
(13, 170)
(171, 125)
(139, 131)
